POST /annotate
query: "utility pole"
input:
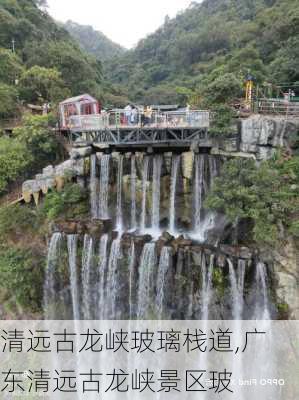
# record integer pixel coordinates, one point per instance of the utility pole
(13, 45)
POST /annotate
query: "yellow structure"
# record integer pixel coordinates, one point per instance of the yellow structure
(249, 91)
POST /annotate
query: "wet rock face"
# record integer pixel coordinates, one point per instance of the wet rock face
(286, 276)
(263, 135)
(184, 274)
(94, 228)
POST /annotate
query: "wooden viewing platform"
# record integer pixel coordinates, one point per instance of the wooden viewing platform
(173, 129)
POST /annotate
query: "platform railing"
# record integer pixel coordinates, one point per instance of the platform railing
(121, 119)
(79, 123)
(278, 107)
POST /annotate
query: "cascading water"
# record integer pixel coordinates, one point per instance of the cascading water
(72, 245)
(112, 281)
(94, 209)
(262, 310)
(207, 275)
(236, 289)
(236, 293)
(52, 263)
(213, 168)
(156, 191)
(199, 191)
(87, 258)
(133, 193)
(131, 277)
(103, 264)
(241, 277)
(174, 176)
(104, 186)
(119, 211)
(146, 280)
(144, 192)
(164, 265)
(120, 285)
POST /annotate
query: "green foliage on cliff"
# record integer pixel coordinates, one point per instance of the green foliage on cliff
(14, 220)
(14, 159)
(71, 203)
(21, 261)
(21, 280)
(267, 194)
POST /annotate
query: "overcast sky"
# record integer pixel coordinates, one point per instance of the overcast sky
(123, 21)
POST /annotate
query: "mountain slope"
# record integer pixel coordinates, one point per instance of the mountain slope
(39, 42)
(93, 42)
(215, 41)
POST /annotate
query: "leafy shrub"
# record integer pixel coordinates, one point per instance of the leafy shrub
(14, 159)
(42, 84)
(8, 101)
(70, 203)
(267, 194)
(15, 220)
(35, 133)
(21, 278)
(222, 122)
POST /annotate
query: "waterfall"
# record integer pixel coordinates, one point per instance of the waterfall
(241, 276)
(262, 310)
(199, 185)
(72, 246)
(119, 214)
(93, 188)
(112, 282)
(207, 277)
(236, 292)
(52, 262)
(104, 186)
(133, 193)
(164, 265)
(146, 280)
(174, 175)
(131, 276)
(87, 258)
(144, 192)
(103, 262)
(213, 169)
(156, 191)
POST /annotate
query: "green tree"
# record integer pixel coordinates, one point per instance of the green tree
(223, 89)
(14, 159)
(10, 66)
(42, 84)
(35, 133)
(266, 194)
(19, 269)
(8, 101)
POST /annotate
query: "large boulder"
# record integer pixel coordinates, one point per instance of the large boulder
(262, 135)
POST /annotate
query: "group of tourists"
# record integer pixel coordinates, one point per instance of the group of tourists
(134, 115)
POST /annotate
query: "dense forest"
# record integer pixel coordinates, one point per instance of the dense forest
(94, 42)
(46, 64)
(204, 54)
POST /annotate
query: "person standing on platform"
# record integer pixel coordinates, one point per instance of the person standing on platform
(148, 115)
(128, 111)
(134, 115)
